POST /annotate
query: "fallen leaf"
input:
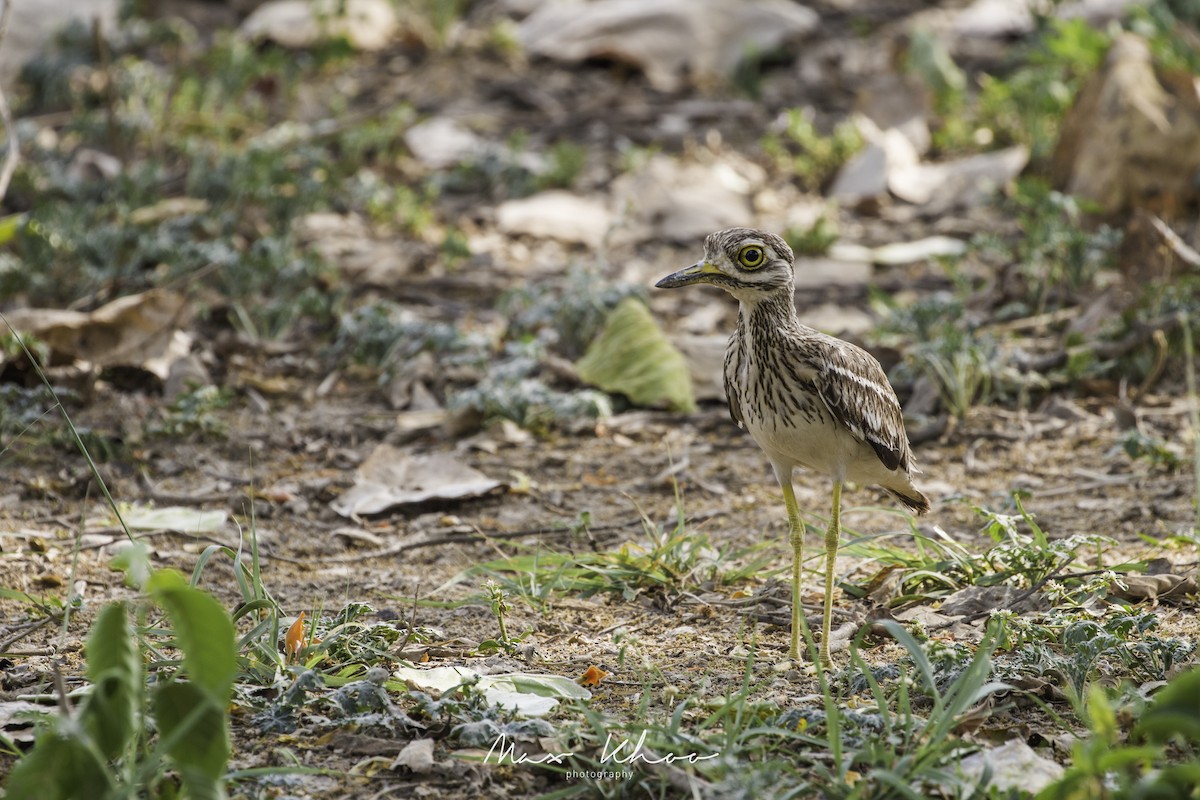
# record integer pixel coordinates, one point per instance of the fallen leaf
(130, 330)
(667, 39)
(171, 518)
(417, 755)
(556, 215)
(633, 357)
(169, 208)
(528, 694)
(298, 24)
(592, 676)
(1154, 588)
(293, 640)
(391, 477)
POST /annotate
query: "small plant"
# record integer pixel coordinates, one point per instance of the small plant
(102, 748)
(963, 363)
(499, 605)
(1159, 757)
(194, 413)
(815, 240)
(566, 162)
(800, 149)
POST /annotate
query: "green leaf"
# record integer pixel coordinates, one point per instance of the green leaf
(203, 632)
(633, 357)
(115, 669)
(63, 765)
(194, 731)
(1175, 712)
(134, 561)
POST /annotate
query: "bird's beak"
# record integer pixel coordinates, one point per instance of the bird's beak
(696, 273)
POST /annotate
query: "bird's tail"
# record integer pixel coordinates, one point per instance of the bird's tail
(912, 499)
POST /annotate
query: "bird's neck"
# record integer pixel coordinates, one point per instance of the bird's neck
(771, 310)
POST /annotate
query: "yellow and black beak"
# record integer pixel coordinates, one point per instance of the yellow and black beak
(696, 273)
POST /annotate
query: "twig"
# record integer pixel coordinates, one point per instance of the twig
(466, 538)
(14, 146)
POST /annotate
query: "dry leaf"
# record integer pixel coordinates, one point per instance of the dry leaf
(294, 639)
(417, 755)
(391, 477)
(128, 331)
(1154, 588)
(592, 676)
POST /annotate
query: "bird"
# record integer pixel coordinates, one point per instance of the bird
(807, 399)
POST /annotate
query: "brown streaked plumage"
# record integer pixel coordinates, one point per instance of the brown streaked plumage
(807, 399)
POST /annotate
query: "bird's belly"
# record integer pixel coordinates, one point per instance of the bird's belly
(817, 442)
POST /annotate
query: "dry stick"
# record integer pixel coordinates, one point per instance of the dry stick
(1189, 371)
(14, 145)
(463, 538)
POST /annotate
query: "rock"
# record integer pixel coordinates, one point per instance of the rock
(33, 26)
(346, 242)
(299, 24)
(1014, 766)
(441, 142)
(557, 215)
(959, 182)
(668, 39)
(1132, 139)
(866, 174)
(683, 202)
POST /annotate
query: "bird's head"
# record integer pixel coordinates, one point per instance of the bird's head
(748, 264)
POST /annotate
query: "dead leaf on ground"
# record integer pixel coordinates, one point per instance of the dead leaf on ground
(298, 24)
(557, 215)
(681, 202)
(668, 39)
(130, 330)
(983, 599)
(1155, 588)
(391, 477)
(592, 676)
(959, 182)
(417, 755)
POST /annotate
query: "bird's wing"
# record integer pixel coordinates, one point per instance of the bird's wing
(857, 393)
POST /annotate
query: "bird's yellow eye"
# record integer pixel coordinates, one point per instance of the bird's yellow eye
(751, 256)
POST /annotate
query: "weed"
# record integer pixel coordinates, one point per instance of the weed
(566, 162)
(103, 748)
(568, 315)
(815, 240)
(1158, 759)
(499, 605)
(194, 413)
(1138, 445)
(668, 560)
(961, 361)
(799, 149)
(512, 390)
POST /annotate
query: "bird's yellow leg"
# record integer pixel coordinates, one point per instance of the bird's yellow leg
(832, 539)
(796, 537)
